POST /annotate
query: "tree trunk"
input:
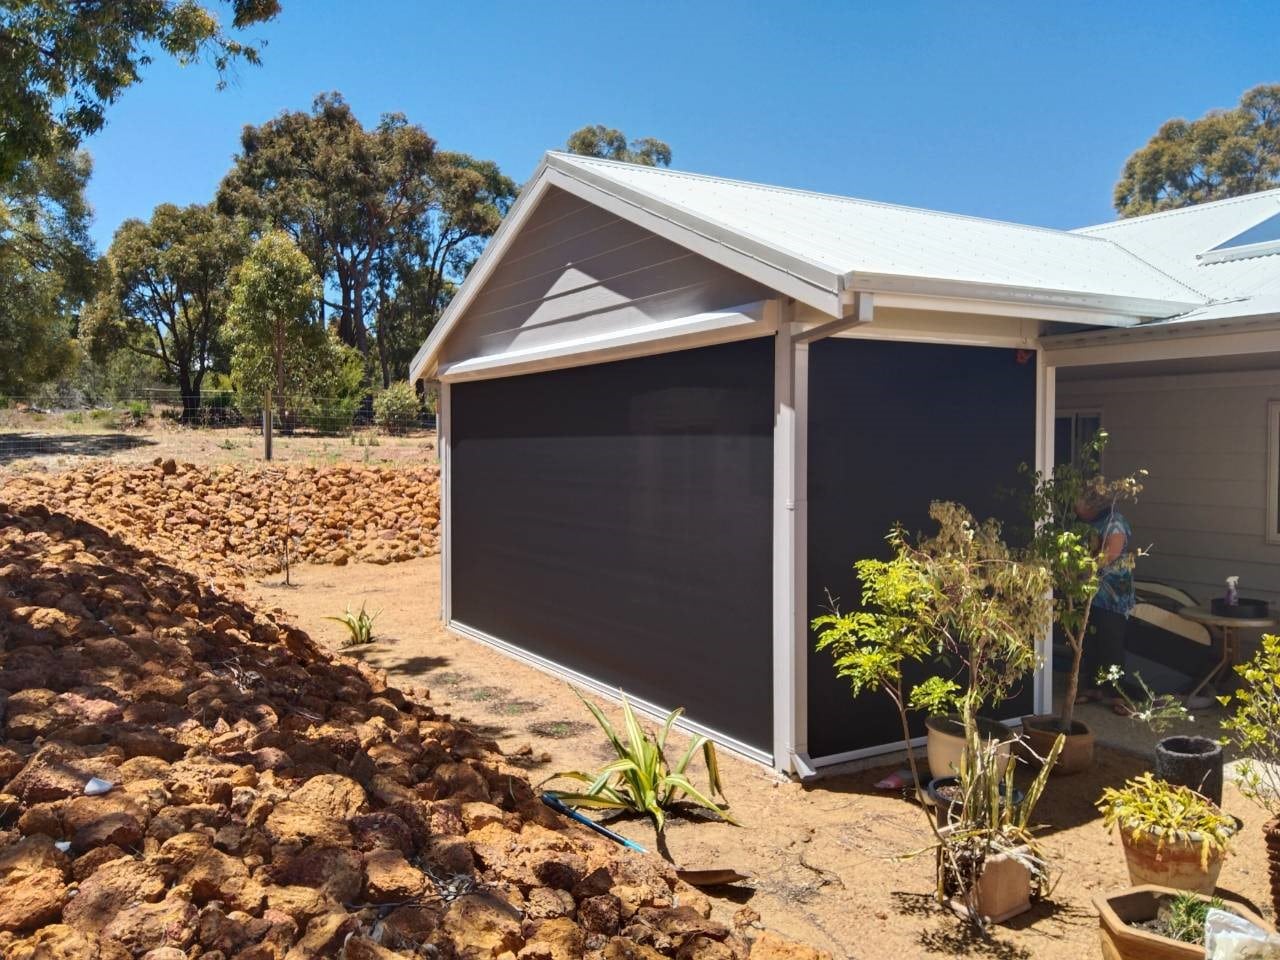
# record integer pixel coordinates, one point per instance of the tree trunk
(1067, 716)
(190, 399)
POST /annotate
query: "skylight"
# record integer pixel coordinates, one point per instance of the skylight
(1260, 240)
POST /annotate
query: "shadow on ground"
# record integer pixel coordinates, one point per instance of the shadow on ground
(20, 446)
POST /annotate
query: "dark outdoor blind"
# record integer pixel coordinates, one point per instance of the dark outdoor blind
(617, 520)
(893, 426)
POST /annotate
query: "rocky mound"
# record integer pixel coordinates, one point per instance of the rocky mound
(186, 777)
(235, 522)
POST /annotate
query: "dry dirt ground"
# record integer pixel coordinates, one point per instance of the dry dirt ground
(54, 442)
(823, 858)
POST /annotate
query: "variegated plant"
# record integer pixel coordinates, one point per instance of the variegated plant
(640, 779)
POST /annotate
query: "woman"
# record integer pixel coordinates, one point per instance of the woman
(1114, 601)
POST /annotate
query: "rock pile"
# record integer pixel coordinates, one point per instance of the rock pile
(235, 522)
(184, 776)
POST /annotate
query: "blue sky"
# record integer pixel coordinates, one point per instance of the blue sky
(1016, 110)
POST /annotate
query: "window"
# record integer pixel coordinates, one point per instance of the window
(1072, 431)
(1273, 471)
(1260, 240)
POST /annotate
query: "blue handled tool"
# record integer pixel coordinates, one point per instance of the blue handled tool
(556, 804)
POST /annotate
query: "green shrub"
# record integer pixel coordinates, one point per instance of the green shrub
(137, 412)
(640, 780)
(396, 408)
(359, 626)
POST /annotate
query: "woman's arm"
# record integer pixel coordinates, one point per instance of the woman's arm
(1112, 548)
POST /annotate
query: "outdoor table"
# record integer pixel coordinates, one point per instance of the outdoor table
(1228, 626)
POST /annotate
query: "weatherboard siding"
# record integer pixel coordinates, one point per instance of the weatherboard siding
(576, 270)
(1203, 437)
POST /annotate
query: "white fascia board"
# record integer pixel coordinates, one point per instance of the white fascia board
(995, 308)
(1166, 341)
(809, 282)
(1133, 308)
(698, 330)
(530, 195)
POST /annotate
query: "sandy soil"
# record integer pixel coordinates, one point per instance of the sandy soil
(823, 858)
(54, 442)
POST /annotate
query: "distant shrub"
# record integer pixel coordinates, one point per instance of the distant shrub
(396, 408)
(75, 417)
(137, 412)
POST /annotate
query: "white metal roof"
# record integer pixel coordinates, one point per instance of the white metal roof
(863, 238)
(820, 248)
(1176, 239)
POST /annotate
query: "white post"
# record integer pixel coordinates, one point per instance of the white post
(790, 553)
(1046, 412)
(443, 413)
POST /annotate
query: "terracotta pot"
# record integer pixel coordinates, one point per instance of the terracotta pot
(1272, 833)
(1120, 941)
(1177, 865)
(1004, 889)
(945, 743)
(1040, 731)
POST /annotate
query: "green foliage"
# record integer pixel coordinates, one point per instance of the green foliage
(597, 140)
(396, 408)
(279, 345)
(137, 412)
(1182, 916)
(1067, 546)
(1254, 728)
(1165, 812)
(640, 779)
(389, 223)
(359, 626)
(167, 293)
(960, 595)
(46, 267)
(1156, 710)
(64, 62)
(1226, 153)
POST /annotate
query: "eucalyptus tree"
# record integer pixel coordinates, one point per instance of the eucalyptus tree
(429, 254)
(597, 140)
(338, 189)
(167, 291)
(63, 63)
(1225, 153)
(47, 267)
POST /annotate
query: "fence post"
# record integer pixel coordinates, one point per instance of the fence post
(266, 427)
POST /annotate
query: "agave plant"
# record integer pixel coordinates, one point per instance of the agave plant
(359, 625)
(640, 780)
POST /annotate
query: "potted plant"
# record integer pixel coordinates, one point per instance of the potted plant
(1172, 836)
(1064, 544)
(959, 596)
(1191, 761)
(1254, 732)
(989, 866)
(1151, 922)
(962, 597)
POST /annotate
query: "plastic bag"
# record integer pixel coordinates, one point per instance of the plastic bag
(1230, 937)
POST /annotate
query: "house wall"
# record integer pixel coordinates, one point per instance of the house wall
(1203, 437)
(577, 270)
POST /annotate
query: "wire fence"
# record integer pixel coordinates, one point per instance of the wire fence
(159, 422)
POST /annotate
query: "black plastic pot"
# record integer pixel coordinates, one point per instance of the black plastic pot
(943, 804)
(1194, 762)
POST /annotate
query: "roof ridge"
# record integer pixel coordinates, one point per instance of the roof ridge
(773, 188)
(1273, 192)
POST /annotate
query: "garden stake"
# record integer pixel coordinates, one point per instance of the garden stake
(695, 878)
(552, 801)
